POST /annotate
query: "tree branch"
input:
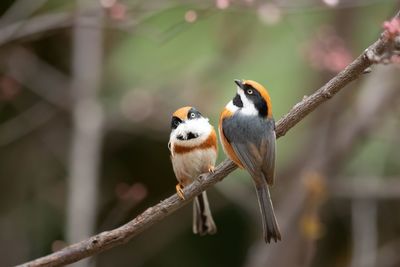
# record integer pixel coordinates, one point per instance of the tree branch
(33, 26)
(152, 215)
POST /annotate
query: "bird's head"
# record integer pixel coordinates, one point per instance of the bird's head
(251, 99)
(187, 124)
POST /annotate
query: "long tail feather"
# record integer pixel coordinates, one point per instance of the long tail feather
(203, 222)
(270, 225)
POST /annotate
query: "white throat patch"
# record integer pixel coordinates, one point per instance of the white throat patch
(231, 107)
(200, 127)
(248, 107)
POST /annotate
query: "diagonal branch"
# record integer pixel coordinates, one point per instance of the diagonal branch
(17, 30)
(152, 215)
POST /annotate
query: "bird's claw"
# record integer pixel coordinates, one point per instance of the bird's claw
(211, 169)
(179, 191)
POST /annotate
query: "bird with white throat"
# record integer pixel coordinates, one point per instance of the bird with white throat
(193, 147)
(247, 132)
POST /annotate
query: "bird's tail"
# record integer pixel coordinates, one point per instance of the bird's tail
(203, 222)
(270, 225)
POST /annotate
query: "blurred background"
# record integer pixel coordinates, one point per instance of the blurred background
(87, 88)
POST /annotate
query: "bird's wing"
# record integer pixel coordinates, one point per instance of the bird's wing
(268, 154)
(253, 141)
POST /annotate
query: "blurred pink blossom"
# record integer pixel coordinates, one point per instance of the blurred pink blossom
(395, 59)
(9, 88)
(331, 3)
(269, 13)
(107, 3)
(116, 10)
(191, 16)
(222, 4)
(327, 51)
(136, 192)
(392, 28)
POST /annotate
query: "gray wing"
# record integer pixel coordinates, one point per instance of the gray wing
(253, 140)
(268, 167)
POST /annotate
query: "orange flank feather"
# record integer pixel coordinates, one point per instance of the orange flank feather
(210, 142)
(182, 113)
(225, 144)
(263, 92)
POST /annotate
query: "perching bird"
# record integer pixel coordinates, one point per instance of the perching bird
(247, 132)
(193, 146)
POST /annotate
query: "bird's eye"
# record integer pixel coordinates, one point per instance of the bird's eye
(193, 114)
(249, 91)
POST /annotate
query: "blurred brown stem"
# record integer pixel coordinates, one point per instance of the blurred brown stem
(152, 215)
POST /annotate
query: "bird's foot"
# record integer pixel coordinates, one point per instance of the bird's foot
(179, 191)
(211, 169)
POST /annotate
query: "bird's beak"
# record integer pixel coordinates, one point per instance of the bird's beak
(239, 83)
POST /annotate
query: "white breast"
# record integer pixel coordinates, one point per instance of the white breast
(199, 126)
(188, 166)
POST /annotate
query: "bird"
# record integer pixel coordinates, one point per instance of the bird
(193, 151)
(247, 133)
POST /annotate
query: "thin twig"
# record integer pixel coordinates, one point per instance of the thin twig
(38, 76)
(33, 26)
(152, 215)
(20, 10)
